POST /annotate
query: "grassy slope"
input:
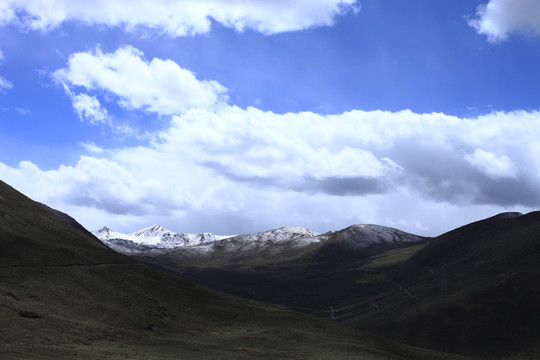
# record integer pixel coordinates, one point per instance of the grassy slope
(113, 308)
(313, 277)
(32, 235)
(488, 309)
(490, 306)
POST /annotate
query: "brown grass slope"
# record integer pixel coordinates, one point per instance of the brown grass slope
(65, 296)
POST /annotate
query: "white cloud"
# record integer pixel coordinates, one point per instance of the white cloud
(253, 144)
(91, 147)
(89, 109)
(5, 84)
(23, 111)
(499, 18)
(492, 165)
(158, 85)
(177, 17)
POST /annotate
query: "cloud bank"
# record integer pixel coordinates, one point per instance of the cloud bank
(500, 18)
(302, 168)
(221, 168)
(176, 17)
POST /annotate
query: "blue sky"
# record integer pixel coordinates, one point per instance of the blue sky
(245, 116)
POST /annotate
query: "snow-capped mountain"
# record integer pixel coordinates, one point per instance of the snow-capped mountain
(361, 236)
(161, 237)
(281, 234)
(158, 239)
(106, 233)
(153, 238)
(289, 235)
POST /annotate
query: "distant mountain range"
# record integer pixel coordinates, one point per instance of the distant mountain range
(157, 239)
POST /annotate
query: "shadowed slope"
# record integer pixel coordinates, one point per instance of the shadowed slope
(311, 277)
(484, 300)
(31, 234)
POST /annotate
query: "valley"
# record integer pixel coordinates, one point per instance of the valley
(364, 292)
(65, 295)
(472, 291)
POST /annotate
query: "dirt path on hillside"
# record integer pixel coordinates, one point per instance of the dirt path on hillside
(67, 266)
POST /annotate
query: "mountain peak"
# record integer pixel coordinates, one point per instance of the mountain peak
(507, 215)
(104, 229)
(363, 235)
(152, 228)
(156, 236)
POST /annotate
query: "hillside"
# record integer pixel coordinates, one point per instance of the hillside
(63, 295)
(33, 234)
(482, 285)
(473, 291)
(313, 272)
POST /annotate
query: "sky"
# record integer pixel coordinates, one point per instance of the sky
(238, 116)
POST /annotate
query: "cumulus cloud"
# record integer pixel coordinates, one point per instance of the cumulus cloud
(160, 86)
(359, 153)
(499, 18)
(290, 151)
(89, 109)
(492, 165)
(177, 17)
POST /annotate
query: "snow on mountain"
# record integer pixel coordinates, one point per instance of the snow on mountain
(291, 235)
(107, 234)
(129, 247)
(158, 239)
(154, 237)
(159, 236)
(361, 236)
(278, 235)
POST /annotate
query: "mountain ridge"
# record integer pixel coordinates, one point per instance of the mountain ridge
(156, 238)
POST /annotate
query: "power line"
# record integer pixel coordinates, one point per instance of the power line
(359, 308)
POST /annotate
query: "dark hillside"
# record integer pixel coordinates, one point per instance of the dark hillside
(483, 297)
(31, 234)
(310, 279)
